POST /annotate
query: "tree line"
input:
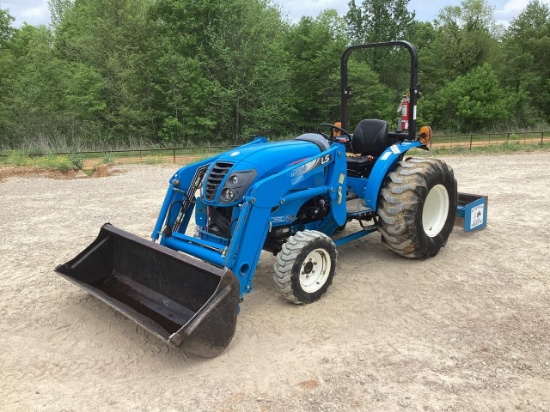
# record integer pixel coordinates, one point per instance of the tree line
(113, 73)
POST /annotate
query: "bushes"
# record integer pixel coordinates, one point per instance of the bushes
(58, 162)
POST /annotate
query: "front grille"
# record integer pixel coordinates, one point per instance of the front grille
(215, 178)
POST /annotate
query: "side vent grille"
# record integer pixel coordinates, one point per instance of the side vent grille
(215, 178)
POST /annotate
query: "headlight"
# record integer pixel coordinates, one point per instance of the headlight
(228, 195)
(236, 185)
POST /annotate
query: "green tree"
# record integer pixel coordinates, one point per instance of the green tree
(6, 71)
(314, 46)
(466, 38)
(84, 93)
(6, 29)
(58, 8)
(105, 43)
(249, 66)
(473, 102)
(182, 89)
(525, 66)
(34, 95)
(378, 20)
(370, 98)
(233, 77)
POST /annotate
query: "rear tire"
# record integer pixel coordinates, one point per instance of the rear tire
(417, 207)
(305, 267)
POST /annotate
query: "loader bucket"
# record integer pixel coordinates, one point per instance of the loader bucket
(182, 300)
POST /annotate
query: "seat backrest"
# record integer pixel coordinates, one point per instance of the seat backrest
(370, 137)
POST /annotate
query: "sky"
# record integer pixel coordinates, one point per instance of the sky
(36, 11)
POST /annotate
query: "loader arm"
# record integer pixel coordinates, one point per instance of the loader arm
(174, 193)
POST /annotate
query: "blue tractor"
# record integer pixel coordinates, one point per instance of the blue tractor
(291, 198)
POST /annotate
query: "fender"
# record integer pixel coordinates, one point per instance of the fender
(383, 166)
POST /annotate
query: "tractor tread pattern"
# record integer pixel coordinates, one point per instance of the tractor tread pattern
(401, 202)
(285, 259)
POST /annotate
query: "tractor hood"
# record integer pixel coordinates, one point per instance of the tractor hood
(269, 158)
(233, 172)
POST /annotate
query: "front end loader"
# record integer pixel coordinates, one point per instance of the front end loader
(291, 198)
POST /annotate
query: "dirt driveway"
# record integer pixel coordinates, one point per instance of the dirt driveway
(468, 330)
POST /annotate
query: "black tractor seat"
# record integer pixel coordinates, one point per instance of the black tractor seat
(369, 140)
(359, 166)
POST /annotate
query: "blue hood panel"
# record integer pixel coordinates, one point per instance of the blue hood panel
(269, 158)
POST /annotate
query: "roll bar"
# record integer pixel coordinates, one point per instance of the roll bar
(414, 88)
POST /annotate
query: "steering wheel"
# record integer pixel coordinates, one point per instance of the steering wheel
(332, 138)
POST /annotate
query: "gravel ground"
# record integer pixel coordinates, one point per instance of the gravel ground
(468, 330)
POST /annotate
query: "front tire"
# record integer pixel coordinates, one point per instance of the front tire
(417, 207)
(305, 267)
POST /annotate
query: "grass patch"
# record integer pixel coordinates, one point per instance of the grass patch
(18, 158)
(155, 160)
(502, 148)
(108, 158)
(63, 163)
(77, 161)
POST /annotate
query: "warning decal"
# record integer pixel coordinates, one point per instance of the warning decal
(476, 218)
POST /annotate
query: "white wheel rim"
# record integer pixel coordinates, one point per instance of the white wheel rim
(315, 270)
(435, 211)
